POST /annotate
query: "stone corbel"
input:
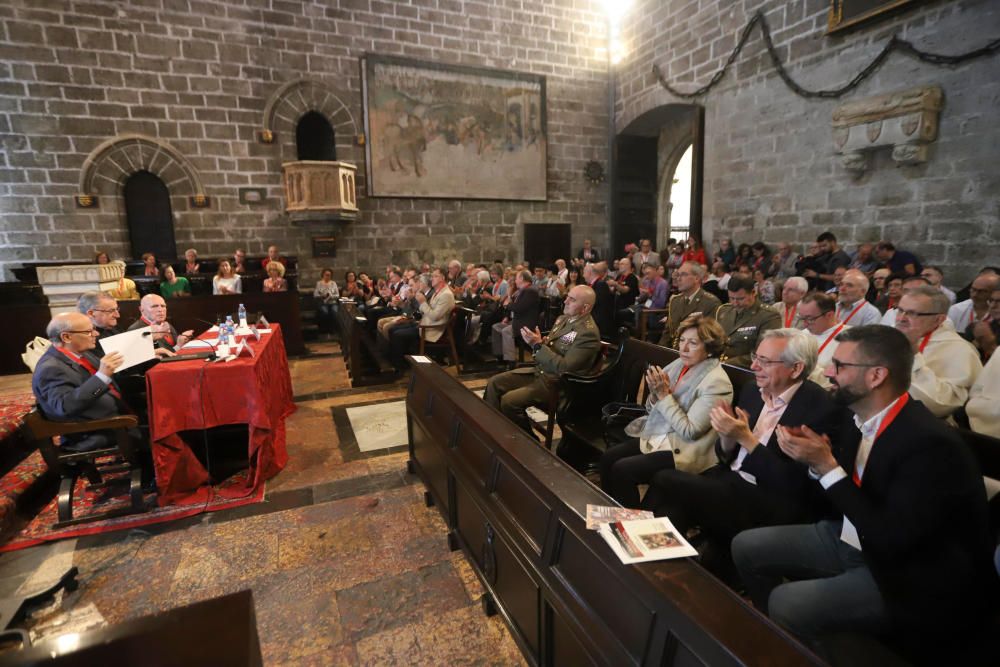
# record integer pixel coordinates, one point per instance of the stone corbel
(906, 121)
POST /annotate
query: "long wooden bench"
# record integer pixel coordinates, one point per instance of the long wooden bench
(365, 363)
(518, 514)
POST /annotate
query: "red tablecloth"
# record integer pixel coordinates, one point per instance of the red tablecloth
(195, 395)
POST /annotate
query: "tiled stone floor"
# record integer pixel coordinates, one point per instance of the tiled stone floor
(346, 564)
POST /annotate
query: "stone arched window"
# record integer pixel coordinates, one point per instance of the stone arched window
(315, 138)
(300, 101)
(149, 216)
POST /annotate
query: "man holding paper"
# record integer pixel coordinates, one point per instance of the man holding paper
(71, 383)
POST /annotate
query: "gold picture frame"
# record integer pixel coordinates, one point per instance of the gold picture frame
(846, 14)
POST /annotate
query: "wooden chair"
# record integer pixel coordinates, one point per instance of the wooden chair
(446, 343)
(69, 465)
(649, 323)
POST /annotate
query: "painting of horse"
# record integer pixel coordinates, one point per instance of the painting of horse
(447, 131)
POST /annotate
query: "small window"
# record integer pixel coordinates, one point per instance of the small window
(314, 138)
(149, 216)
(680, 198)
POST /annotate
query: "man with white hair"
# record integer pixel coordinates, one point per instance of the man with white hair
(791, 294)
(818, 312)
(755, 483)
(153, 314)
(102, 311)
(945, 365)
(852, 308)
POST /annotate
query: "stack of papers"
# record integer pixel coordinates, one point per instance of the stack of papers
(638, 540)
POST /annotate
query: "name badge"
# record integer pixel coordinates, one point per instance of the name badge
(746, 330)
(568, 338)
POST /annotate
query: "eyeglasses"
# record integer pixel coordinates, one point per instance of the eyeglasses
(89, 332)
(105, 310)
(992, 301)
(913, 313)
(764, 361)
(838, 365)
(809, 320)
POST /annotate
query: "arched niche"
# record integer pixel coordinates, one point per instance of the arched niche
(315, 138)
(149, 215)
(292, 102)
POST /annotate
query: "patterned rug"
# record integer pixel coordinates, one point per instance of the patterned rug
(40, 530)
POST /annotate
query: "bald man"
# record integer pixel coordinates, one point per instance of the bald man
(976, 308)
(571, 346)
(153, 314)
(70, 383)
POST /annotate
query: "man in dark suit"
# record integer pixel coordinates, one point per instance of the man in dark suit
(102, 311)
(909, 550)
(755, 483)
(70, 383)
(153, 314)
(604, 301)
(523, 312)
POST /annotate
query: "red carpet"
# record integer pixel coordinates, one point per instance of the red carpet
(40, 529)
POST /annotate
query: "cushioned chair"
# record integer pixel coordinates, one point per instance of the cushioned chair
(70, 465)
(446, 343)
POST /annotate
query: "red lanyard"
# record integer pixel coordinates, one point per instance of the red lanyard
(854, 312)
(790, 316)
(889, 417)
(83, 361)
(680, 377)
(829, 338)
(927, 337)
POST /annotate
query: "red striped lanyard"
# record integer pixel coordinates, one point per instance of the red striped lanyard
(854, 312)
(790, 316)
(891, 415)
(830, 337)
(83, 361)
(927, 337)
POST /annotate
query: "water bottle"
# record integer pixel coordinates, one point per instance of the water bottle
(242, 316)
(230, 327)
(223, 346)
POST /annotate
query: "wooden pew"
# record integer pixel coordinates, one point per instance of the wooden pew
(365, 363)
(518, 514)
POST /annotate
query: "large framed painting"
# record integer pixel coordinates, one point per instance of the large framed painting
(849, 13)
(446, 131)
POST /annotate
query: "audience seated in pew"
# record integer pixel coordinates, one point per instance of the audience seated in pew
(603, 307)
(792, 292)
(239, 261)
(751, 482)
(327, 295)
(124, 289)
(150, 268)
(275, 281)
(965, 314)
(852, 308)
(690, 299)
(572, 346)
(273, 255)
(226, 281)
(521, 312)
(677, 431)
(191, 264)
(818, 311)
(404, 338)
(744, 319)
(907, 554)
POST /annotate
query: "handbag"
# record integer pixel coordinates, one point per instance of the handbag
(621, 414)
(33, 351)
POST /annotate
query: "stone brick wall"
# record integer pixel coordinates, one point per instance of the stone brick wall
(197, 74)
(770, 171)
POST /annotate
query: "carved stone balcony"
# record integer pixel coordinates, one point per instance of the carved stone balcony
(63, 285)
(318, 191)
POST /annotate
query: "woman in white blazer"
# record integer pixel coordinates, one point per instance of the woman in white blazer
(677, 433)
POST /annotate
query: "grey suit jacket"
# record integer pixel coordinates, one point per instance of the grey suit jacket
(66, 391)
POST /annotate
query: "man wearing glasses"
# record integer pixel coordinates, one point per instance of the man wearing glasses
(102, 311)
(966, 313)
(690, 299)
(71, 383)
(907, 550)
(944, 364)
(818, 312)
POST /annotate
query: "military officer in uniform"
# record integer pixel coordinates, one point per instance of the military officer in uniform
(744, 319)
(571, 346)
(690, 299)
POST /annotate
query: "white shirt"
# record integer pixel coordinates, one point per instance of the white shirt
(889, 319)
(983, 407)
(767, 421)
(962, 314)
(848, 533)
(867, 314)
(825, 355)
(944, 372)
(947, 292)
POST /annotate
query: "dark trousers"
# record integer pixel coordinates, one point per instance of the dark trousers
(624, 467)
(721, 504)
(403, 340)
(326, 317)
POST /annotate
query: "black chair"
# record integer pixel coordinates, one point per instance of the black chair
(447, 342)
(70, 465)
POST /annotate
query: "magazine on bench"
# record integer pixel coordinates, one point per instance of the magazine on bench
(642, 540)
(597, 515)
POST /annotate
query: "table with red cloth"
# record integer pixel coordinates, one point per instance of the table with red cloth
(197, 395)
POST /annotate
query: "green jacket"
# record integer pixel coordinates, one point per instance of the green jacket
(744, 329)
(570, 347)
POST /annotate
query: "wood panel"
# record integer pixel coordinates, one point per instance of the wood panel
(517, 512)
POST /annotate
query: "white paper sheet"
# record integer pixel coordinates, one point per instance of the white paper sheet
(136, 346)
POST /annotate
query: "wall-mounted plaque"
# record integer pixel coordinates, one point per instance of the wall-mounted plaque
(253, 196)
(324, 246)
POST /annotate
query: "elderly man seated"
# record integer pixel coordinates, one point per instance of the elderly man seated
(435, 310)
(945, 365)
(791, 294)
(71, 384)
(571, 346)
(153, 314)
(102, 311)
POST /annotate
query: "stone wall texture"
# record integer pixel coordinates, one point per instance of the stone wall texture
(770, 169)
(197, 75)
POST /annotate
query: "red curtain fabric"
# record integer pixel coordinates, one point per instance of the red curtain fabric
(197, 395)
